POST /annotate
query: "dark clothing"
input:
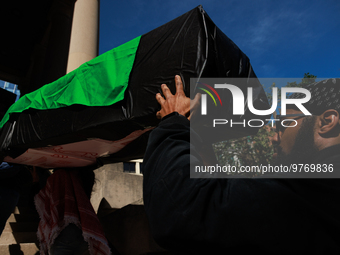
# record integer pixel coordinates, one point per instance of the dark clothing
(228, 216)
(70, 241)
(8, 200)
(13, 179)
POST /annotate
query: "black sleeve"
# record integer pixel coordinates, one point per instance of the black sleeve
(215, 216)
(184, 214)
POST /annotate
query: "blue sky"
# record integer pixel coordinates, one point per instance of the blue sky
(281, 38)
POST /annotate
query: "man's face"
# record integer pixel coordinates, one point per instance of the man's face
(295, 144)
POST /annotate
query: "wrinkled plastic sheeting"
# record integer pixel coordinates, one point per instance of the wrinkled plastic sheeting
(190, 45)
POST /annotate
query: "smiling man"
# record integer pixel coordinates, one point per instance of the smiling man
(241, 216)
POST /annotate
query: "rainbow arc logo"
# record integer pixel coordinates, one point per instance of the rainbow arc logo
(204, 97)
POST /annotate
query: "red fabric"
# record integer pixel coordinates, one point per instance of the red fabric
(63, 201)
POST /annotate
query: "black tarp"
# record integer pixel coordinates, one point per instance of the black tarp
(190, 45)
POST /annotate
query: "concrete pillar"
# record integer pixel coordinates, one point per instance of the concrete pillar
(85, 32)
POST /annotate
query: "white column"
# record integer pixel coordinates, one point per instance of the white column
(85, 33)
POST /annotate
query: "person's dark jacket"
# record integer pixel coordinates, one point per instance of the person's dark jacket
(234, 216)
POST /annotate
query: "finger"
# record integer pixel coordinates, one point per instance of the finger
(179, 85)
(196, 102)
(194, 105)
(189, 118)
(160, 99)
(166, 91)
(158, 115)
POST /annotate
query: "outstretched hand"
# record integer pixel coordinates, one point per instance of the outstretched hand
(176, 103)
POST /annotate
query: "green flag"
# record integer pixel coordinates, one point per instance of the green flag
(101, 81)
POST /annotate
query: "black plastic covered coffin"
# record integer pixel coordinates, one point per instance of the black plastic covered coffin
(78, 135)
